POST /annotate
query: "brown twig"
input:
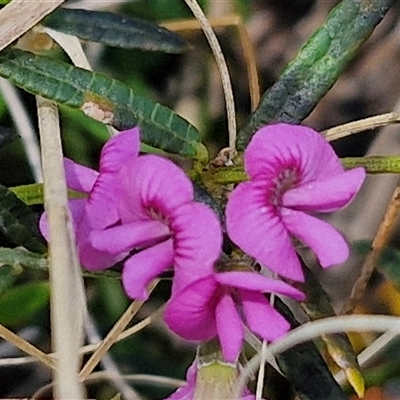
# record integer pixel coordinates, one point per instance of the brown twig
(113, 335)
(381, 238)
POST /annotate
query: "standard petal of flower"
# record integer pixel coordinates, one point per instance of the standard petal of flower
(257, 229)
(197, 242)
(229, 327)
(190, 312)
(257, 282)
(78, 177)
(102, 204)
(261, 317)
(326, 195)
(119, 150)
(143, 267)
(128, 236)
(290, 146)
(152, 183)
(323, 239)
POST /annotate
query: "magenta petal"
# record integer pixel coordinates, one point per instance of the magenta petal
(300, 148)
(230, 327)
(151, 184)
(186, 392)
(261, 317)
(190, 312)
(128, 236)
(119, 150)
(143, 267)
(258, 282)
(197, 241)
(323, 239)
(78, 177)
(326, 195)
(102, 205)
(257, 229)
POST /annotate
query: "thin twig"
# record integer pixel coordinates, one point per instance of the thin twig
(66, 283)
(381, 238)
(223, 70)
(350, 128)
(26, 347)
(112, 336)
(18, 16)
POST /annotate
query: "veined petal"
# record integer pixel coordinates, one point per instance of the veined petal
(102, 204)
(229, 327)
(257, 282)
(257, 229)
(79, 177)
(153, 187)
(323, 239)
(144, 266)
(121, 238)
(190, 313)
(119, 149)
(261, 317)
(326, 195)
(197, 242)
(281, 146)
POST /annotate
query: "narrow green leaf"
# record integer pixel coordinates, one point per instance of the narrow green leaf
(115, 30)
(20, 303)
(18, 223)
(317, 66)
(102, 98)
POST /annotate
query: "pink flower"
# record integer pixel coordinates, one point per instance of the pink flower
(187, 392)
(100, 208)
(293, 172)
(216, 305)
(159, 219)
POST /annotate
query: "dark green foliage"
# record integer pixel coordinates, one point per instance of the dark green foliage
(317, 66)
(18, 223)
(115, 30)
(79, 88)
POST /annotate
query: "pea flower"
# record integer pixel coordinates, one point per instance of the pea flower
(207, 386)
(293, 172)
(162, 222)
(100, 208)
(219, 304)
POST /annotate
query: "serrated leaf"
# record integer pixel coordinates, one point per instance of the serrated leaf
(102, 98)
(317, 66)
(115, 30)
(20, 303)
(18, 223)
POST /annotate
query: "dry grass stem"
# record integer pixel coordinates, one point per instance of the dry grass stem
(223, 70)
(381, 238)
(377, 121)
(18, 16)
(67, 296)
(112, 336)
(26, 347)
(247, 46)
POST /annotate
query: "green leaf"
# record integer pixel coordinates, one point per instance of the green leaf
(18, 223)
(102, 98)
(317, 66)
(115, 30)
(8, 275)
(20, 303)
